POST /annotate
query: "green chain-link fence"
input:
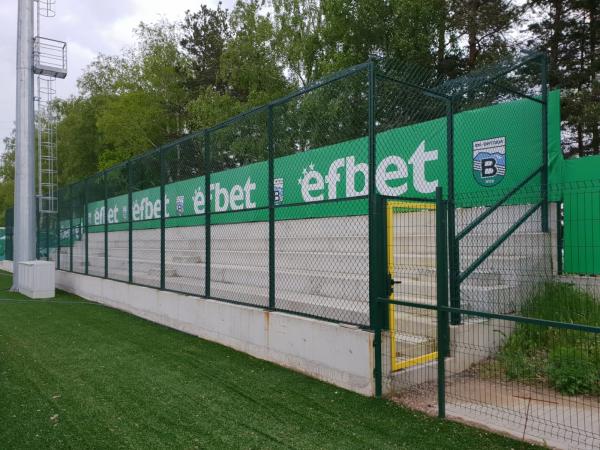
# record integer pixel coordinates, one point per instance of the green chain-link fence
(386, 197)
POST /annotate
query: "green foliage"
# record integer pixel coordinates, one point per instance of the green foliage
(568, 360)
(569, 30)
(180, 77)
(7, 176)
(574, 372)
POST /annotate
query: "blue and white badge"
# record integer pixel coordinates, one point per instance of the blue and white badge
(489, 161)
(179, 204)
(278, 190)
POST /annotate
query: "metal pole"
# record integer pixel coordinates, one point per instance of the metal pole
(443, 329)
(24, 221)
(271, 197)
(544, 76)
(130, 225)
(58, 195)
(71, 228)
(161, 158)
(453, 247)
(374, 263)
(208, 203)
(87, 225)
(105, 225)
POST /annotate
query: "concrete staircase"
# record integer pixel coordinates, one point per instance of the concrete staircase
(500, 284)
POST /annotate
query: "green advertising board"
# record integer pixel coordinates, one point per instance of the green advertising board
(495, 148)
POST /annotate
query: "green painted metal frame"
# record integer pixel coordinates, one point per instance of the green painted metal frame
(71, 228)
(58, 197)
(163, 209)
(86, 224)
(443, 326)
(105, 225)
(271, 197)
(130, 224)
(207, 164)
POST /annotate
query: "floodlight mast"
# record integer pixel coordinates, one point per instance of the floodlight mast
(46, 58)
(25, 211)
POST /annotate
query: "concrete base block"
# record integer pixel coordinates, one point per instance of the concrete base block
(36, 279)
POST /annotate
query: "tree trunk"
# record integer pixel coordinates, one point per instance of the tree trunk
(594, 72)
(557, 30)
(472, 7)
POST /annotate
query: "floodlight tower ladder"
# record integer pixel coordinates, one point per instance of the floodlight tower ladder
(49, 63)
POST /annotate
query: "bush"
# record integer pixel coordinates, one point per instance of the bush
(573, 372)
(567, 360)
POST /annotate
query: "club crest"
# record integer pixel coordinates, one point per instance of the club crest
(278, 190)
(489, 161)
(179, 204)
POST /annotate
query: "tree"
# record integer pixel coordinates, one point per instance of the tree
(7, 175)
(569, 31)
(484, 26)
(205, 33)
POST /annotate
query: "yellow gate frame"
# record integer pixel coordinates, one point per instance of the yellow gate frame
(391, 205)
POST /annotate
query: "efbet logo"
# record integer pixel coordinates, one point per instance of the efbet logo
(391, 176)
(489, 161)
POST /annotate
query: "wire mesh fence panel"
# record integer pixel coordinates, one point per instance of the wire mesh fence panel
(239, 231)
(185, 253)
(117, 217)
(322, 264)
(95, 194)
(78, 227)
(499, 245)
(9, 233)
(64, 228)
(541, 379)
(321, 248)
(51, 239)
(145, 213)
(507, 257)
(537, 381)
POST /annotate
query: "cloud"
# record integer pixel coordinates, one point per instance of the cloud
(88, 28)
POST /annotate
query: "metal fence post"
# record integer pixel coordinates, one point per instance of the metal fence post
(38, 218)
(207, 212)
(130, 224)
(105, 225)
(58, 195)
(443, 329)
(271, 194)
(71, 228)
(47, 237)
(544, 80)
(559, 237)
(374, 263)
(162, 216)
(87, 225)
(454, 258)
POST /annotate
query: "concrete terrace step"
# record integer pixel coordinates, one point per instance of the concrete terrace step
(317, 282)
(342, 309)
(411, 346)
(250, 243)
(344, 262)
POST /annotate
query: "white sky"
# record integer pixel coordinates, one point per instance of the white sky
(89, 27)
